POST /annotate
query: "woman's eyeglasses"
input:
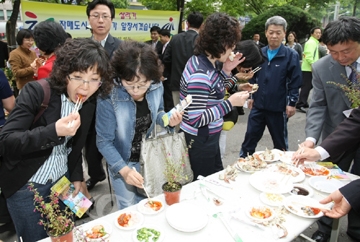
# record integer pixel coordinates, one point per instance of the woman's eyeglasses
(80, 81)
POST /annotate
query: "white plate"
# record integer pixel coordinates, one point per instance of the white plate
(136, 220)
(261, 208)
(241, 168)
(143, 208)
(301, 188)
(270, 182)
(186, 217)
(272, 199)
(294, 204)
(306, 169)
(107, 228)
(286, 156)
(296, 174)
(323, 184)
(274, 152)
(161, 238)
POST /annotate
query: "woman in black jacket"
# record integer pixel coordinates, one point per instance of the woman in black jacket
(43, 151)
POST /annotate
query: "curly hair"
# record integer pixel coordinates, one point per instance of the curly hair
(218, 33)
(133, 58)
(79, 55)
(48, 36)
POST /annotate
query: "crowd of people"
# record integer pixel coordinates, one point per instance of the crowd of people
(126, 87)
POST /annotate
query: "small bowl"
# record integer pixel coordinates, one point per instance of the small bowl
(260, 213)
(302, 190)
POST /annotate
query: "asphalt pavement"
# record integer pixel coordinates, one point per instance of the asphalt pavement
(296, 133)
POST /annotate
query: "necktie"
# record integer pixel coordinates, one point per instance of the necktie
(353, 74)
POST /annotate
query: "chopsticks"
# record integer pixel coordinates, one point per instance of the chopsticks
(301, 150)
(233, 234)
(147, 194)
(256, 69)
(75, 110)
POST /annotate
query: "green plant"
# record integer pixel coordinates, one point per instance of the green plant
(174, 170)
(55, 220)
(352, 91)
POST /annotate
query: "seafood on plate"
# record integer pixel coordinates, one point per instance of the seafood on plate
(96, 232)
(251, 163)
(267, 155)
(229, 174)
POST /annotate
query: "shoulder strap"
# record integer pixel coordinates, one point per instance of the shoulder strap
(46, 88)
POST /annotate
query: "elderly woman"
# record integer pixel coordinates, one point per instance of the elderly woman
(23, 60)
(43, 151)
(48, 37)
(203, 78)
(132, 110)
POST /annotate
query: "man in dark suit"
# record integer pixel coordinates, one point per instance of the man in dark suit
(179, 50)
(154, 42)
(100, 15)
(328, 102)
(168, 101)
(256, 39)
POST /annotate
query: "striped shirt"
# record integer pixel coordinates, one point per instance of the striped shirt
(204, 82)
(56, 164)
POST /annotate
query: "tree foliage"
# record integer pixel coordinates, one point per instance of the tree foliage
(297, 19)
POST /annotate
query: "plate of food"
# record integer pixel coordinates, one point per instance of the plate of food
(286, 156)
(311, 169)
(150, 208)
(148, 233)
(305, 207)
(325, 184)
(97, 232)
(302, 190)
(250, 164)
(272, 199)
(270, 182)
(260, 213)
(294, 174)
(129, 220)
(267, 155)
(186, 217)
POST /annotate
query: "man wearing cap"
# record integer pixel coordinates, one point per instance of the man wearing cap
(100, 15)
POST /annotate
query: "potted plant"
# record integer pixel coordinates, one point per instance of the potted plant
(174, 175)
(57, 222)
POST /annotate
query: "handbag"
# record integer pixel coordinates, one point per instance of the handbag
(153, 155)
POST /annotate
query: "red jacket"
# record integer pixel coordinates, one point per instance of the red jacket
(44, 71)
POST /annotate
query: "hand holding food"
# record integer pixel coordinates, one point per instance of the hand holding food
(132, 177)
(238, 99)
(62, 125)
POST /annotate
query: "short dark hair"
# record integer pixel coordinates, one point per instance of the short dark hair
(219, 32)
(341, 31)
(165, 32)
(23, 34)
(92, 5)
(313, 29)
(80, 54)
(195, 19)
(48, 36)
(251, 52)
(132, 58)
(155, 28)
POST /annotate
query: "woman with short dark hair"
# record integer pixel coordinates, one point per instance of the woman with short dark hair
(48, 37)
(292, 42)
(22, 57)
(42, 151)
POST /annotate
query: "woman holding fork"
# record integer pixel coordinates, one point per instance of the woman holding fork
(41, 150)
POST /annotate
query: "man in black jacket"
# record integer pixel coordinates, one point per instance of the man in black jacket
(179, 50)
(100, 15)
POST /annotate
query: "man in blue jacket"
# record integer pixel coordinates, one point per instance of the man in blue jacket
(279, 81)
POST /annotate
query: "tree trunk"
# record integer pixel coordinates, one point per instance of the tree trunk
(180, 7)
(11, 26)
(354, 8)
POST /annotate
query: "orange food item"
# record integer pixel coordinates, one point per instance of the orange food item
(80, 97)
(123, 219)
(315, 210)
(318, 172)
(96, 232)
(155, 205)
(260, 213)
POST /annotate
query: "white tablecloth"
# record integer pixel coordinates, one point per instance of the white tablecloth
(240, 196)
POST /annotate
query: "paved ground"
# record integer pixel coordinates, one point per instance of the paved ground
(234, 138)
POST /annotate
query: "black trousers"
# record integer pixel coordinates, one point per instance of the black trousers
(93, 156)
(204, 154)
(168, 100)
(305, 89)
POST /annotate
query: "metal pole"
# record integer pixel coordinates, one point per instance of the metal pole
(336, 11)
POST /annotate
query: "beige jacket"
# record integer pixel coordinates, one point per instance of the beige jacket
(20, 60)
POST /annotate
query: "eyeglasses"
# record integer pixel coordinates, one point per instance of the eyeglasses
(141, 88)
(98, 16)
(80, 81)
